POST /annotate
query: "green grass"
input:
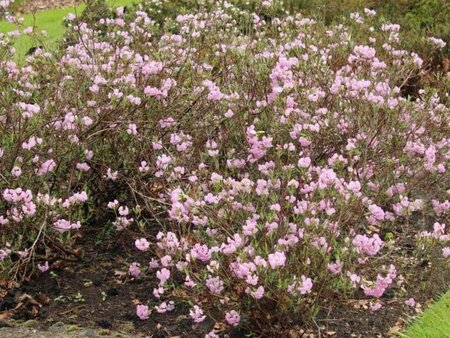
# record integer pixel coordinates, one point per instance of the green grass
(434, 323)
(50, 21)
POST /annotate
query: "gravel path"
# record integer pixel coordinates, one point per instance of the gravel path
(29, 329)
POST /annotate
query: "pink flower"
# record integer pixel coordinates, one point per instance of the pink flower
(153, 264)
(410, 302)
(134, 269)
(168, 122)
(142, 244)
(201, 252)
(326, 178)
(113, 204)
(369, 246)
(304, 162)
(232, 318)
(157, 292)
(43, 267)
(166, 260)
(277, 259)
(381, 284)
(123, 211)
(87, 121)
(112, 175)
(83, 166)
(212, 334)
(189, 282)
(437, 42)
(334, 268)
(365, 52)
(142, 312)
(377, 212)
(250, 228)
(143, 167)
(306, 285)
(375, 306)
(163, 276)
(71, 17)
(258, 293)
(132, 129)
(354, 186)
(16, 171)
(165, 307)
(229, 113)
(215, 285)
(196, 314)
(63, 225)
(446, 251)
(354, 278)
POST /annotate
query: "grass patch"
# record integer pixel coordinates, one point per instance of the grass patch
(50, 21)
(434, 323)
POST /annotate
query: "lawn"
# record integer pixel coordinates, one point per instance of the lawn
(49, 21)
(434, 322)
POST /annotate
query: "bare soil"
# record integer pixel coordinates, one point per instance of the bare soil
(97, 293)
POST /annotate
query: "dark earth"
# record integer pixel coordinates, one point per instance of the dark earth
(97, 292)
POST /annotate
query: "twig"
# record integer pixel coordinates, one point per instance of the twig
(318, 328)
(72, 309)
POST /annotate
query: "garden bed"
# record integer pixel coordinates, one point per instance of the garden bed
(97, 292)
(223, 169)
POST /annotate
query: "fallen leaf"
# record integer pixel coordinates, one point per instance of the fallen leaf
(6, 314)
(373, 228)
(119, 273)
(296, 333)
(219, 327)
(397, 327)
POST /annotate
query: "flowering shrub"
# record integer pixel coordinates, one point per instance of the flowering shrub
(282, 159)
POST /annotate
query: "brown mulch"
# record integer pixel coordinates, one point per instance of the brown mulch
(96, 292)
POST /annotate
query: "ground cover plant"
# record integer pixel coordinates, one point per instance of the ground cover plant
(266, 165)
